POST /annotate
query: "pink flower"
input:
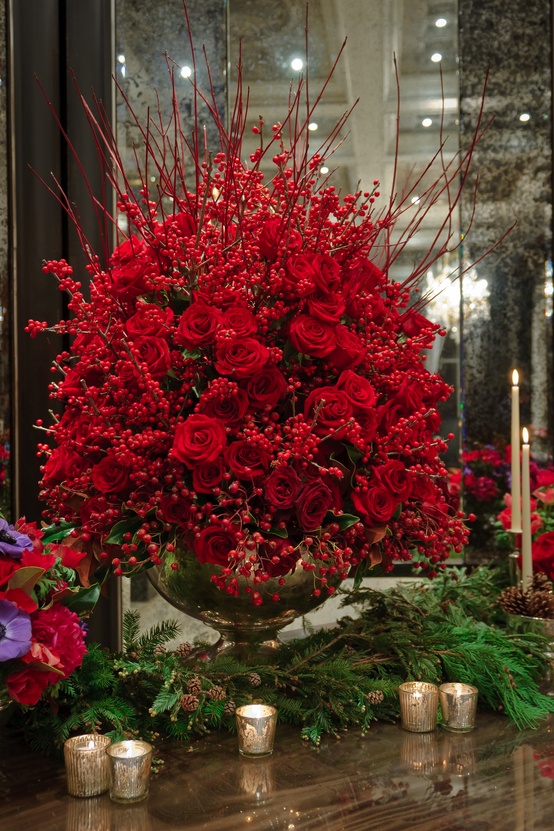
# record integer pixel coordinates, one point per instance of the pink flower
(546, 495)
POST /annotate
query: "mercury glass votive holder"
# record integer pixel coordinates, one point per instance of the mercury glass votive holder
(419, 702)
(86, 764)
(256, 729)
(92, 814)
(130, 764)
(421, 752)
(458, 705)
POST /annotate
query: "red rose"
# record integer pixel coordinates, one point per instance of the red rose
(198, 325)
(174, 510)
(128, 251)
(199, 439)
(228, 408)
(326, 273)
(545, 478)
(182, 223)
(367, 419)
(358, 390)
(543, 554)
(333, 410)
(27, 685)
(133, 277)
(312, 336)
(313, 503)
(20, 598)
(62, 465)
(76, 379)
(266, 388)
(409, 396)
(58, 629)
(282, 487)
(279, 558)
(110, 476)
(241, 358)
(413, 323)
(362, 276)
(376, 505)
(273, 234)
(208, 476)
(154, 352)
(213, 545)
(348, 351)
(240, 320)
(149, 320)
(394, 476)
(300, 276)
(326, 307)
(246, 460)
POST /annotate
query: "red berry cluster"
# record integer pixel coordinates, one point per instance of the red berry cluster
(246, 381)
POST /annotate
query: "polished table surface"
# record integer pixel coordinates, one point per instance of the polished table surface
(492, 778)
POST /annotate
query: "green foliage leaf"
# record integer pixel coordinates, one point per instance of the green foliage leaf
(82, 600)
(25, 578)
(121, 528)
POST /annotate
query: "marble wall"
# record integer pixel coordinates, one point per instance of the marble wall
(508, 319)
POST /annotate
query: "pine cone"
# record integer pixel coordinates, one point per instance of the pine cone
(194, 686)
(254, 679)
(375, 697)
(216, 693)
(159, 649)
(189, 703)
(541, 604)
(513, 601)
(541, 582)
(184, 649)
(230, 708)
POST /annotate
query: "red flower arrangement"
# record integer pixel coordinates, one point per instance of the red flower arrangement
(245, 378)
(42, 639)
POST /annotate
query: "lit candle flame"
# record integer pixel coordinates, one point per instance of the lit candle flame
(525, 435)
(90, 745)
(515, 378)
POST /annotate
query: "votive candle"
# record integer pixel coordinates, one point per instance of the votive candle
(131, 762)
(458, 705)
(256, 729)
(526, 558)
(516, 469)
(86, 764)
(419, 703)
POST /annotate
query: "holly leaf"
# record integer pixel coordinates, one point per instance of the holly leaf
(121, 528)
(275, 531)
(54, 533)
(82, 600)
(344, 521)
(25, 578)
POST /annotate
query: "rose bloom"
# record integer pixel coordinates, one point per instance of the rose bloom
(241, 358)
(279, 559)
(149, 320)
(246, 460)
(198, 325)
(240, 320)
(266, 388)
(110, 476)
(154, 352)
(375, 505)
(27, 685)
(230, 409)
(311, 336)
(394, 476)
(326, 307)
(132, 278)
(208, 476)
(358, 390)
(546, 495)
(545, 478)
(213, 545)
(282, 487)
(274, 233)
(198, 440)
(543, 554)
(63, 464)
(312, 505)
(174, 510)
(333, 410)
(348, 351)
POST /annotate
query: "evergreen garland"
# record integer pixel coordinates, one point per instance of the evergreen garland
(436, 631)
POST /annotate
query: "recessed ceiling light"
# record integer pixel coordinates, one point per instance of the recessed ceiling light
(415, 200)
(324, 169)
(436, 57)
(297, 64)
(186, 71)
(121, 58)
(426, 122)
(524, 117)
(312, 126)
(440, 22)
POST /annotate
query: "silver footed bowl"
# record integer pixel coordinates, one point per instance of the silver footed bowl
(244, 627)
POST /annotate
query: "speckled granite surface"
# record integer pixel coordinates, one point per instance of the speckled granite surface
(513, 161)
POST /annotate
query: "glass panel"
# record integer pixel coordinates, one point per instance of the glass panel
(272, 36)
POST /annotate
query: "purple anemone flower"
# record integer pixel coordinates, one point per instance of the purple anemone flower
(15, 631)
(12, 542)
